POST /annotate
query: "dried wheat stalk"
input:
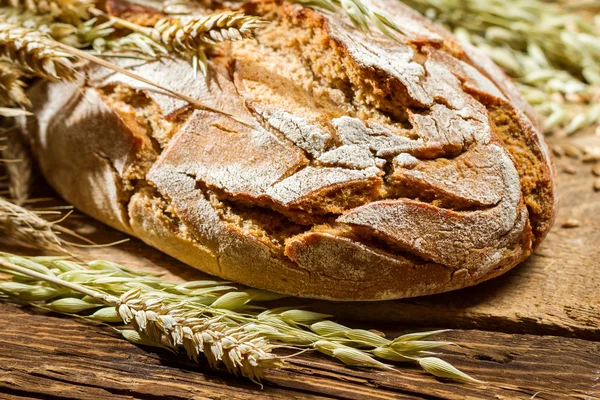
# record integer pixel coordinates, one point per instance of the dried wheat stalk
(11, 112)
(11, 86)
(36, 52)
(51, 60)
(24, 227)
(18, 165)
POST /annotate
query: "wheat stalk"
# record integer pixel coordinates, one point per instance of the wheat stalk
(189, 39)
(51, 60)
(90, 33)
(11, 85)
(208, 317)
(11, 112)
(154, 322)
(35, 52)
(71, 11)
(18, 165)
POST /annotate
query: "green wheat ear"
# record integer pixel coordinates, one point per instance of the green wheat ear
(207, 318)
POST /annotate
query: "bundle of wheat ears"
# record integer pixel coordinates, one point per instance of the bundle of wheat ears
(553, 53)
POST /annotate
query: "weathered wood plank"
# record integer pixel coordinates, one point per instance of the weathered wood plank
(46, 355)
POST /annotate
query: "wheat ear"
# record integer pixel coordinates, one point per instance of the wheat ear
(209, 317)
(11, 85)
(35, 52)
(24, 227)
(18, 165)
(190, 39)
(187, 37)
(71, 11)
(241, 352)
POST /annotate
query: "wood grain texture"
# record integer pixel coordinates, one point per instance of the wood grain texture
(56, 357)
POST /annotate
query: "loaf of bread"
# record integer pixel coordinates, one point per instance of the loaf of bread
(366, 168)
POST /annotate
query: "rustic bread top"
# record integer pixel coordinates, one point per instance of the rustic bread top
(407, 166)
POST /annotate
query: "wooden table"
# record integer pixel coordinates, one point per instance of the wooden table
(532, 333)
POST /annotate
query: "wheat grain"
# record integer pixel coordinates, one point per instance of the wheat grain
(558, 151)
(19, 167)
(590, 151)
(11, 85)
(572, 151)
(35, 52)
(569, 169)
(571, 223)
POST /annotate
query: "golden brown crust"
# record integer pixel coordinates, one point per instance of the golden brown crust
(365, 169)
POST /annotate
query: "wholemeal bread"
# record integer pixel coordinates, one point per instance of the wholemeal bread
(366, 168)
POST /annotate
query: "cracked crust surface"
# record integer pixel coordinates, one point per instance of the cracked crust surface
(366, 169)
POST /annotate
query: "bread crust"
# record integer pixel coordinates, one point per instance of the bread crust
(366, 169)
